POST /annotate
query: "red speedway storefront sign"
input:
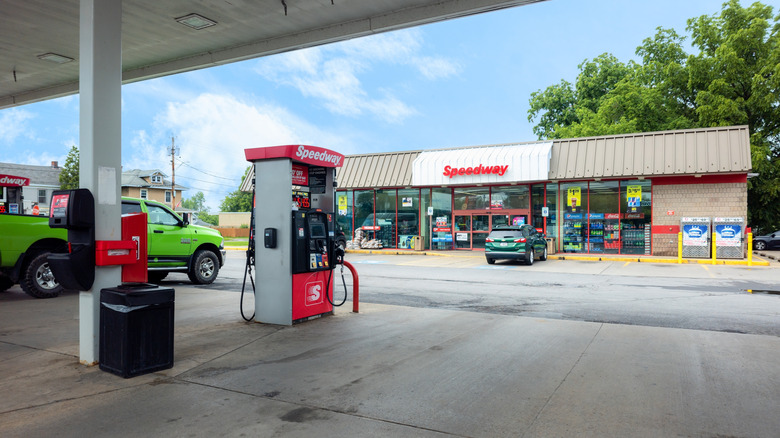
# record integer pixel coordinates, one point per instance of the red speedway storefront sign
(501, 164)
(452, 172)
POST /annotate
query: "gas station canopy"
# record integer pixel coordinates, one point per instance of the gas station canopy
(39, 39)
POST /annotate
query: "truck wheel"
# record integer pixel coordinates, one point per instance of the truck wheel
(205, 266)
(156, 276)
(5, 283)
(38, 280)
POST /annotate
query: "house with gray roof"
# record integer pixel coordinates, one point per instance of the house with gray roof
(150, 184)
(42, 181)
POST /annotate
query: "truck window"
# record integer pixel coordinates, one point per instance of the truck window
(131, 208)
(161, 216)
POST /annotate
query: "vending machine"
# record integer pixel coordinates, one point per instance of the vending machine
(295, 230)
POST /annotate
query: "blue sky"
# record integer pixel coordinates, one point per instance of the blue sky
(461, 82)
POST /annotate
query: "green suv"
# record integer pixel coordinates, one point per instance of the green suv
(515, 242)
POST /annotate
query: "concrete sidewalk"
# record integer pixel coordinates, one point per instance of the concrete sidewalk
(387, 371)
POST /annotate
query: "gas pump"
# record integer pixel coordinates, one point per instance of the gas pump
(294, 254)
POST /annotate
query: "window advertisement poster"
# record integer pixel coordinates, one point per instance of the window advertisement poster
(342, 205)
(574, 198)
(634, 196)
(300, 175)
(407, 202)
(695, 234)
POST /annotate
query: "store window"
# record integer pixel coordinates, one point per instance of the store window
(426, 226)
(385, 220)
(574, 227)
(509, 197)
(636, 204)
(364, 214)
(442, 218)
(408, 217)
(552, 211)
(344, 213)
(604, 217)
(537, 204)
(471, 198)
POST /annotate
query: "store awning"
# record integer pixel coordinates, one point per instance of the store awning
(13, 181)
(483, 165)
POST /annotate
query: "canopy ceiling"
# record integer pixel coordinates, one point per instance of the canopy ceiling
(154, 44)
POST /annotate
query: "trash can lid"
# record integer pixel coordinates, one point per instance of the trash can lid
(137, 294)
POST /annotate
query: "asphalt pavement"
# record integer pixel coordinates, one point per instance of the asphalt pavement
(387, 371)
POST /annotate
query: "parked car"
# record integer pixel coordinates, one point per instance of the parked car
(515, 242)
(770, 241)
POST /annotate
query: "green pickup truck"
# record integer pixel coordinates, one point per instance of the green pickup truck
(174, 245)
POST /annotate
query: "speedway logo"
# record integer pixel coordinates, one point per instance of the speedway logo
(304, 153)
(314, 293)
(477, 170)
(13, 181)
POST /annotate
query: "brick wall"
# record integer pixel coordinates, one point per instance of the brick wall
(693, 200)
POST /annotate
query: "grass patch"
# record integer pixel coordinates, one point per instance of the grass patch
(237, 241)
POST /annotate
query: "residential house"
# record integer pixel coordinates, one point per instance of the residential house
(150, 184)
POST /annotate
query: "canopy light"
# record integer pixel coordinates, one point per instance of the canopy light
(196, 21)
(53, 57)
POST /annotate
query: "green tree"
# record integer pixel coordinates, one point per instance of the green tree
(69, 175)
(237, 200)
(734, 79)
(197, 203)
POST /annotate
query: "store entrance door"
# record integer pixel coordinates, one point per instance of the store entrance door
(471, 229)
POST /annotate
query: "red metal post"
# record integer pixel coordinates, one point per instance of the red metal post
(355, 286)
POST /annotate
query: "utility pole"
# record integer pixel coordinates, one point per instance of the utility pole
(173, 176)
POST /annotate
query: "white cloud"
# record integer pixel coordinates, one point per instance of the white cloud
(332, 73)
(14, 124)
(212, 132)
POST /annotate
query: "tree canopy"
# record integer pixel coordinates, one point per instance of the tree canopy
(734, 79)
(237, 200)
(197, 203)
(69, 175)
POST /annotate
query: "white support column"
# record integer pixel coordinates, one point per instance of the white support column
(100, 158)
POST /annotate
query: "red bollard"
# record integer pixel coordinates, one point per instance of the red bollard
(355, 286)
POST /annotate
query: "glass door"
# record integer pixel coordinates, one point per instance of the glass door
(462, 230)
(480, 225)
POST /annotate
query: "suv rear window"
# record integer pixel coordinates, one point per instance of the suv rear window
(505, 234)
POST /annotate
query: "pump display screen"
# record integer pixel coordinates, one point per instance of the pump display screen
(317, 231)
(301, 199)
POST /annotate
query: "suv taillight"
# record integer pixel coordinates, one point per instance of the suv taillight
(489, 240)
(520, 240)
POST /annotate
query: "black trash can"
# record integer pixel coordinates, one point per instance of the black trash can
(136, 329)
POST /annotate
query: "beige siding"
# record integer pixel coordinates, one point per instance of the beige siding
(699, 151)
(377, 170)
(235, 219)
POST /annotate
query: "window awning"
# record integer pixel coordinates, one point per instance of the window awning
(483, 165)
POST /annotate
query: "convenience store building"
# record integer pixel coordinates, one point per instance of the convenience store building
(618, 194)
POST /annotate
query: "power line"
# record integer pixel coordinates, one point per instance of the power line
(207, 173)
(208, 182)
